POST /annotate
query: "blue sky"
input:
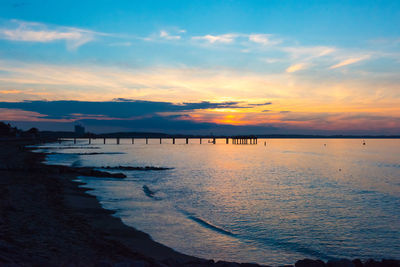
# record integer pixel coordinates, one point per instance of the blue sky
(328, 66)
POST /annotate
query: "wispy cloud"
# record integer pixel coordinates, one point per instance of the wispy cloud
(350, 61)
(166, 35)
(296, 67)
(308, 51)
(223, 38)
(245, 39)
(22, 31)
(264, 39)
(260, 104)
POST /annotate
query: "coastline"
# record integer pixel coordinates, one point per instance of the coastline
(47, 219)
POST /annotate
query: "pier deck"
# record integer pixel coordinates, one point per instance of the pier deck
(234, 140)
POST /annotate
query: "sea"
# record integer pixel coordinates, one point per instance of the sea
(273, 203)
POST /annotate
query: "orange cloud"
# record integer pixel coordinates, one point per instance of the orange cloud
(6, 92)
(349, 61)
(296, 67)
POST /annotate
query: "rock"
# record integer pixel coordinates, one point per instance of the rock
(172, 262)
(390, 263)
(309, 263)
(340, 263)
(137, 263)
(227, 264)
(372, 263)
(198, 263)
(357, 263)
(383, 263)
(250, 265)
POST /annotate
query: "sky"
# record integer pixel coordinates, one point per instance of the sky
(199, 66)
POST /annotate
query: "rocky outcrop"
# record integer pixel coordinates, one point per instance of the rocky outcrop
(129, 168)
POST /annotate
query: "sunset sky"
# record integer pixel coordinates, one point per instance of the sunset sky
(323, 67)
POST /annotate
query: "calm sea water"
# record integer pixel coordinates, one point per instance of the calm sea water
(273, 204)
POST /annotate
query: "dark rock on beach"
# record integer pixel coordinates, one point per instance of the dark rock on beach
(129, 168)
(357, 263)
(309, 263)
(340, 263)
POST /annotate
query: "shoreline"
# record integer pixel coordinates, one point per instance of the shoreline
(47, 219)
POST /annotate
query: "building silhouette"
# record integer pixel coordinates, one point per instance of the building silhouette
(79, 130)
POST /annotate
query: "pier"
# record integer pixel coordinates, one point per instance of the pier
(234, 140)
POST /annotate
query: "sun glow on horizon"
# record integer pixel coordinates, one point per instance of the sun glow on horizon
(240, 76)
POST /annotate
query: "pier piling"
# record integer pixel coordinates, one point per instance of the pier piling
(235, 140)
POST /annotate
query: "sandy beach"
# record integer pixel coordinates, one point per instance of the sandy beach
(46, 219)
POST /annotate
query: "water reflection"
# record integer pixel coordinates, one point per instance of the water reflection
(272, 204)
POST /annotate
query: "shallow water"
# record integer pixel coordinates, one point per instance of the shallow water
(273, 204)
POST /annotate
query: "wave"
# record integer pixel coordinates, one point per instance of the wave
(77, 163)
(289, 246)
(286, 245)
(148, 192)
(388, 165)
(210, 226)
(302, 152)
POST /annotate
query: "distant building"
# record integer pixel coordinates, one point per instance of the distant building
(79, 130)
